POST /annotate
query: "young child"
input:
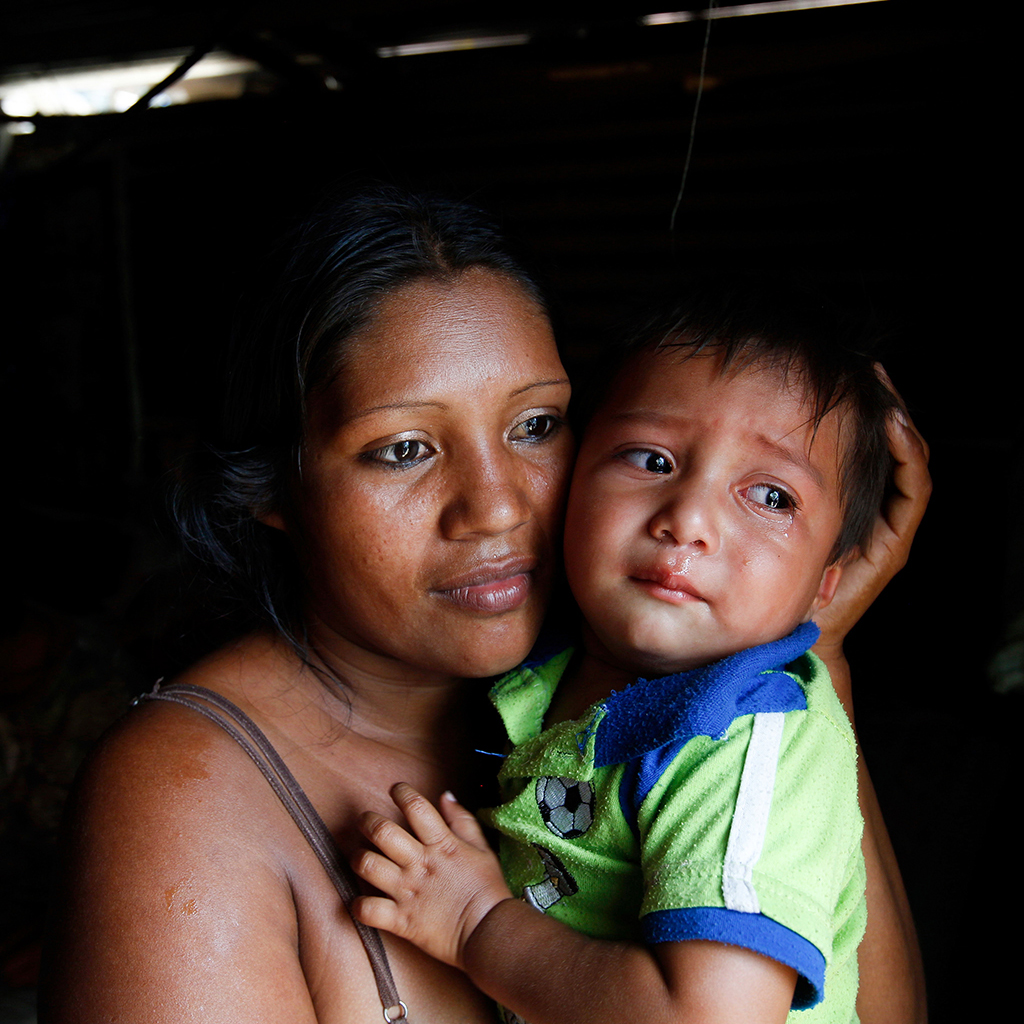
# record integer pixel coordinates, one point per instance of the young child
(686, 799)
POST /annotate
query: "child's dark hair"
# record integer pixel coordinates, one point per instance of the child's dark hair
(322, 286)
(800, 338)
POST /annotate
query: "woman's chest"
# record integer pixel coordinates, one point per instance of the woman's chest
(341, 978)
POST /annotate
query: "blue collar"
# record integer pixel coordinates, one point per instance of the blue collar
(703, 701)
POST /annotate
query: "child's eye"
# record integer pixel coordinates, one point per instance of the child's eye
(536, 428)
(651, 462)
(771, 497)
(400, 454)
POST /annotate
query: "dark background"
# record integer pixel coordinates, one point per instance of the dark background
(853, 147)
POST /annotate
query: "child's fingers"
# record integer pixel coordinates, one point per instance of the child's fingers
(423, 817)
(462, 822)
(390, 838)
(376, 912)
(381, 872)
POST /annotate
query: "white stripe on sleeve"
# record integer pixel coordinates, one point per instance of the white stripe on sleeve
(750, 818)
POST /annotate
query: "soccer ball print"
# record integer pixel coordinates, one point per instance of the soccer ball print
(566, 805)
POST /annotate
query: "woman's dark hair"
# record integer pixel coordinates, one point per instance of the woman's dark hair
(321, 286)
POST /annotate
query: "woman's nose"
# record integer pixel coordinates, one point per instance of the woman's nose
(686, 518)
(488, 495)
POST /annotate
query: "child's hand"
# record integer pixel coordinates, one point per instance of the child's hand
(888, 547)
(438, 884)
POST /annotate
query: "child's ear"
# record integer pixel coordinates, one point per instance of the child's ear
(827, 589)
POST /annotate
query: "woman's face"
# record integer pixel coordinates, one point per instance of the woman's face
(430, 498)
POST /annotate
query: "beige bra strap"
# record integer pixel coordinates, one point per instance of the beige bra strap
(244, 731)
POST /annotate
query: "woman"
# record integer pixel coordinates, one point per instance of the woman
(390, 494)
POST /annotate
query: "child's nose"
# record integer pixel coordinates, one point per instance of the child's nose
(686, 520)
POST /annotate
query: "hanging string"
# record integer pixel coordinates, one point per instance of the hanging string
(693, 123)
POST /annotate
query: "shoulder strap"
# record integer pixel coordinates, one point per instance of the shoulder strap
(244, 731)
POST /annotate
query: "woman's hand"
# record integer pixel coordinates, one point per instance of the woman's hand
(887, 549)
(438, 882)
(891, 976)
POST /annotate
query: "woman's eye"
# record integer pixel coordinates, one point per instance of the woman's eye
(401, 453)
(771, 497)
(536, 428)
(651, 462)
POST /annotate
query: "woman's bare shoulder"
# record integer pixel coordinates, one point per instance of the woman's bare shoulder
(165, 770)
(176, 896)
(165, 766)
(189, 894)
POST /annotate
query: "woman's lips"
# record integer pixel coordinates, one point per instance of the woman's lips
(491, 589)
(666, 586)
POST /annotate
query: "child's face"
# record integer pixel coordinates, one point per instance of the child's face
(701, 516)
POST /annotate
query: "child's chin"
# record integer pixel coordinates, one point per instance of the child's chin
(653, 664)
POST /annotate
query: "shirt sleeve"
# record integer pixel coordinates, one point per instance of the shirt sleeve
(753, 839)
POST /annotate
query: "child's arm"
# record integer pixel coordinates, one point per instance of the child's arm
(550, 974)
(445, 893)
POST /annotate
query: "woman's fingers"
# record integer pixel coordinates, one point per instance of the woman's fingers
(887, 548)
(913, 483)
